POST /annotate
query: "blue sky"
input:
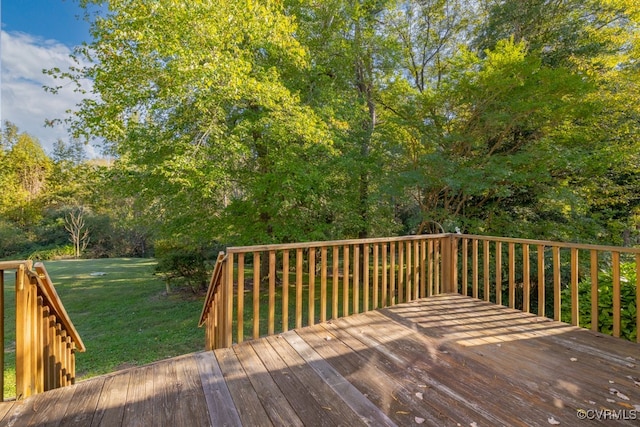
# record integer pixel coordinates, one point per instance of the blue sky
(49, 19)
(37, 35)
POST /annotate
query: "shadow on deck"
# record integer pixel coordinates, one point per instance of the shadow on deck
(443, 360)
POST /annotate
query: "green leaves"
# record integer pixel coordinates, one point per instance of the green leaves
(245, 121)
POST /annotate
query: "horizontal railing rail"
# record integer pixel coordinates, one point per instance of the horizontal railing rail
(46, 339)
(263, 290)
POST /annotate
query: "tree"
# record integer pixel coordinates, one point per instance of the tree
(68, 152)
(210, 140)
(239, 122)
(349, 58)
(596, 39)
(78, 231)
(483, 137)
(25, 168)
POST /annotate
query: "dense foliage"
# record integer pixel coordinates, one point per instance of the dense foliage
(628, 311)
(239, 122)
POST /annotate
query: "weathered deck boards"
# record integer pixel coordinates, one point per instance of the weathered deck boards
(445, 360)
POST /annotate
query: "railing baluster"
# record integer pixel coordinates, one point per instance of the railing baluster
(485, 267)
(392, 274)
(345, 281)
(407, 272)
(575, 314)
(334, 296)
(437, 257)
(594, 291)
(400, 277)
(312, 286)
(227, 302)
(299, 285)
(285, 290)
(499, 273)
(376, 272)
(431, 266)
(526, 280)
(59, 356)
(365, 277)
(22, 327)
(48, 355)
(557, 303)
(474, 268)
(40, 343)
(615, 261)
(465, 266)
(272, 293)
(356, 279)
(423, 269)
(454, 263)
(384, 275)
(416, 270)
(512, 275)
(240, 287)
(52, 351)
(256, 295)
(323, 284)
(541, 282)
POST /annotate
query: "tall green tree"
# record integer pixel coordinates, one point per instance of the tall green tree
(350, 57)
(276, 121)
(596, 39)
(483, 140)
(25, 168)
(192, 100)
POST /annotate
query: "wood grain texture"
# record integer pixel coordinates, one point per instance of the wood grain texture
(446, 360)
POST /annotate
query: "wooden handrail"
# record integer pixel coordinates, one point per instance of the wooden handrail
(316, 281)
(55, 304)
(549, 243)
(46, 340)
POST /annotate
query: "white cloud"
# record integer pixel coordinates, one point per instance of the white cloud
(24, 101)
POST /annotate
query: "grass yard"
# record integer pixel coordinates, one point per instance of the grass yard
(121, 312)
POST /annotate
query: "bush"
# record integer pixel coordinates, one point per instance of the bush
(629, 311)
(13, 240)
(183, 266)
(59, 252)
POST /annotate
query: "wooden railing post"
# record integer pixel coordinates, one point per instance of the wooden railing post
(228, 302)
(446, 248)
(23, 355)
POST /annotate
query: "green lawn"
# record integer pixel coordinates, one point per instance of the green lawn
(124, 317)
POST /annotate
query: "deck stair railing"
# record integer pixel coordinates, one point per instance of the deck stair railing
(263, 290)
(46, 340)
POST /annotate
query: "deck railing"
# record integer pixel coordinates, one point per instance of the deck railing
(46, 340)
(575, 283)
(263, 290)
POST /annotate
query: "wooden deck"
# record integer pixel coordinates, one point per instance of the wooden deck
(445, 360)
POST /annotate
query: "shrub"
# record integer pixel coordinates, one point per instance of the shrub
(59, 252)
(183, 266)
(13, 240)
(628, 308)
